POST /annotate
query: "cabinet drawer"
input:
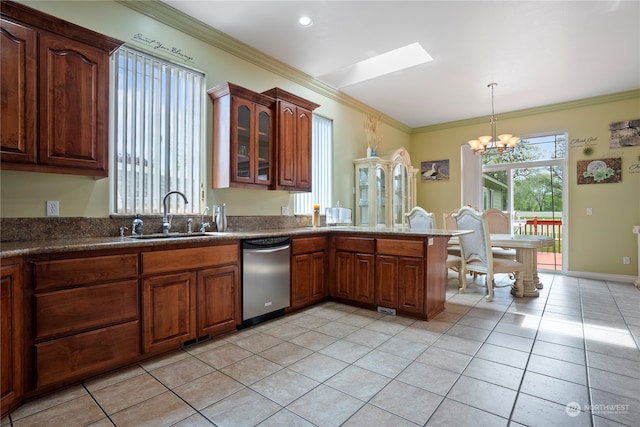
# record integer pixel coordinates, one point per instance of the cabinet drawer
(355, 244)
(187, 259)
(308, 245)
(77, 271)
(411, 248)
(80, 309)
(79, 356)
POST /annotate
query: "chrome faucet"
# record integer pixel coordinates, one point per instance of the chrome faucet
(204, 225)
(166, 219)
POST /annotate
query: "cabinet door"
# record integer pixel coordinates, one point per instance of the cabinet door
(18, 125)
(364, 267)
(168, 311)
(304, 123)
(287, 144)
(218, 300)
(301, 274)
(411, 287)
(11, 332)
(74, 103)
(343, 284)
(263, 158)
(242, 129)
(318, 277)
(387, 281)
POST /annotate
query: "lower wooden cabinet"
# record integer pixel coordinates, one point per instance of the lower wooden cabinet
(308, 271)
(400, 277)
(86, 314)
(188, 293)
(168, 311)
(78, 356)
(11, 333)
(218, 296)
(354, 267)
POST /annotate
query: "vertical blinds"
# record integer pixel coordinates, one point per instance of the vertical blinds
(157, 134)
(322, 135)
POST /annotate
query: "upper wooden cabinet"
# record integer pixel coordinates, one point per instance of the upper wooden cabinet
(261, 140)
(243, 149)
(55, 94)
(293, 140)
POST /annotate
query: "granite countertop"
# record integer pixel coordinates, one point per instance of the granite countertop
(34, 247)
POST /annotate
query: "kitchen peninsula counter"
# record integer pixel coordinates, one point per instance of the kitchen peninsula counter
(74, 244)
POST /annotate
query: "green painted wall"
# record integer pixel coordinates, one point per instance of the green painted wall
(24, 194)
(596, 243)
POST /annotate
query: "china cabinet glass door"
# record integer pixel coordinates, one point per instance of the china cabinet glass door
(263, 173)
(381, 195)
(243, 144)
(363, 196)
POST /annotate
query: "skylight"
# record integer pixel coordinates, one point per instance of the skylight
(386, 63)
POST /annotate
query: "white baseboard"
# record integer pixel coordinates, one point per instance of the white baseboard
(602, 276)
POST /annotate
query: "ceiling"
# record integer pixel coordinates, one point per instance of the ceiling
(539, 52)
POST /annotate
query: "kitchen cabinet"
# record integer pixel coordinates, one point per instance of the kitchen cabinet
(354, 266)
(308, 270)
(11, 334)
(399, 282)
(294, 122)
(243, 147)
(86, 311)
(188, 293)
(55, 90)
(385, 189)
(218, 300)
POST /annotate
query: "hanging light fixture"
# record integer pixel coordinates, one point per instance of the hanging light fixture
(490, 144)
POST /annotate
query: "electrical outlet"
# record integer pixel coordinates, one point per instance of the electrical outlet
(53, 208)
(625, 260)
(285, 210)
(589, 211)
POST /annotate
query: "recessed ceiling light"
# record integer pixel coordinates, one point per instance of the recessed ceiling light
(305, 21)
(386, 63)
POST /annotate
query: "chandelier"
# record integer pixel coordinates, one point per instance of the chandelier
(490, 144)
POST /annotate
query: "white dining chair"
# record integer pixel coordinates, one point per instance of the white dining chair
(421, 220)
(477, 255)
(499, 222)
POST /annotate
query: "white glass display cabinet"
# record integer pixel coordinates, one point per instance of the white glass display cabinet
(385, 189)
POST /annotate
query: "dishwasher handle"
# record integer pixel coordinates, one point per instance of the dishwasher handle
(266, 250)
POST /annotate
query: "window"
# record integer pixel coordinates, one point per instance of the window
(157, 134)
(322, 137)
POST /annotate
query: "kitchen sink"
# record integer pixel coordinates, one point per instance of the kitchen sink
(168, 235)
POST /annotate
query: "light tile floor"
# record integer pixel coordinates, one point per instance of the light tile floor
(567, 358)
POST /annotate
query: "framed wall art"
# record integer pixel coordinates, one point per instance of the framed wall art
(600, 171)
(434, 171)
(624, 134)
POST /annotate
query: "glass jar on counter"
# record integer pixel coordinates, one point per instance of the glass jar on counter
(316, 215)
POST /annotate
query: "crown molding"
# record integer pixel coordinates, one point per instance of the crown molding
(182, 22)
(586, 102)
(174, 18)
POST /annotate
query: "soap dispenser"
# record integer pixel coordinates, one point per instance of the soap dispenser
(137, 228)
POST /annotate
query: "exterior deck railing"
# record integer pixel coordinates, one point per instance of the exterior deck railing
(541, 227)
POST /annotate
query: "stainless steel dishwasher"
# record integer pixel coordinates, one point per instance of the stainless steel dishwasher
(265, 278)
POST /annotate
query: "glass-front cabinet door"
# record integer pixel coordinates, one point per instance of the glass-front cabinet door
(241, 165)
(385, 189)
(251, 149)
(264, 152)
(372, 198)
